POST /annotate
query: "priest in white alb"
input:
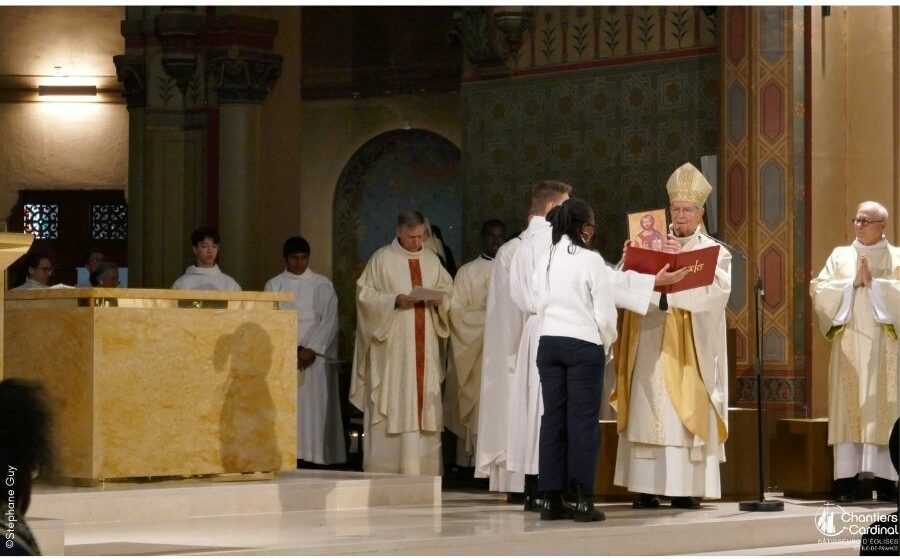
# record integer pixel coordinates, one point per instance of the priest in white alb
(205, 274)
(671, 392)
(320, 433)
(856, 298)
(467, 308)
(402, 306)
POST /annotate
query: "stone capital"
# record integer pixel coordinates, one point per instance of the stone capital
(243, 75)
(132, 72)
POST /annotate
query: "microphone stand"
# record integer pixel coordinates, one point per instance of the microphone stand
(759, 295)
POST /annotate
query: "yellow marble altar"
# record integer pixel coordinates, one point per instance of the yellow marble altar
(159, 382)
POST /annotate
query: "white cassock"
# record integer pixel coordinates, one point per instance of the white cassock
(862, 370)
(672, 417)
(526, 405)
(320, 434)
(397, 362)
(212, 278)
(463, 386)
(502, 331)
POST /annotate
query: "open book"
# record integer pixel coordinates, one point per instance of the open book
(421, 294)
(700, 262)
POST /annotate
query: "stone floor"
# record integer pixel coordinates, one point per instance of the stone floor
(326, 513)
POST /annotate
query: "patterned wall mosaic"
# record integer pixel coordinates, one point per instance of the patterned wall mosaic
(765, 191)
(615, 133)
(545, 37)
(392, 172)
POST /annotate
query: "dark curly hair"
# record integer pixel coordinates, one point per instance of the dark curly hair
(25, 431)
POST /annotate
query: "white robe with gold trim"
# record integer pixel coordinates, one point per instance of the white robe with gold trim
(402, 433)
(657, 454)
(863, 368)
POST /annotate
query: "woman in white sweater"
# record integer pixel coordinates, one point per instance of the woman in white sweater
(578, 321)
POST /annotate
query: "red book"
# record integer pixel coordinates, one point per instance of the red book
(702, 263)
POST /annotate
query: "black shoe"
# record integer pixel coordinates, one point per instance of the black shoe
(646, 501)
(532, 500)
(843, 490)
(886, 489)
(553, 508)
(584, 507)
(685, 503)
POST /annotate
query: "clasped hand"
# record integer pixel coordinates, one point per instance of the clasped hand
(863, 274)
(305, 357)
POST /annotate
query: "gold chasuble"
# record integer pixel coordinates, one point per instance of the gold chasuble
(398, 363)
(681, 372)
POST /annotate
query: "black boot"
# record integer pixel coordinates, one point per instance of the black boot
(584, 507)
(532, 502)
(553, 508)
(886, 489)
(844, 489)
(685, 503)
(645, 501)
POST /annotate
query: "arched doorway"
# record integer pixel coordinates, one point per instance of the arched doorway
(396, 170)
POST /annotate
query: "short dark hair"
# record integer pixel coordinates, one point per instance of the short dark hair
(102, 268)
(92, 250)
(491, 223)
(295, 245)
(410, 218)
(204, 233)
(25, 429)
(547, 191)
(33, 259)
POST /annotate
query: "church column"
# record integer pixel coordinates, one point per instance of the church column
(194, 78)
(242, 79)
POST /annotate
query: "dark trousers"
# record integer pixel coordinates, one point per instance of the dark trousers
(571, 372)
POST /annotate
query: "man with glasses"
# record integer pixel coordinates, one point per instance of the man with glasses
(856, 297)
(39, 267)
(671, 375)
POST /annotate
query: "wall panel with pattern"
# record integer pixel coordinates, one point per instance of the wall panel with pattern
(763, 166)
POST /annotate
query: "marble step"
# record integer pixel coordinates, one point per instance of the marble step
(300, 490)
(815, 549)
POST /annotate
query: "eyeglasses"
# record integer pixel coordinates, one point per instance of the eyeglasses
(49, 270)
(865, 221)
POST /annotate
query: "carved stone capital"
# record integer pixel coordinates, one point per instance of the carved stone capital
(132, 72)
(178, 33)
(243, 75)
(474, 28)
